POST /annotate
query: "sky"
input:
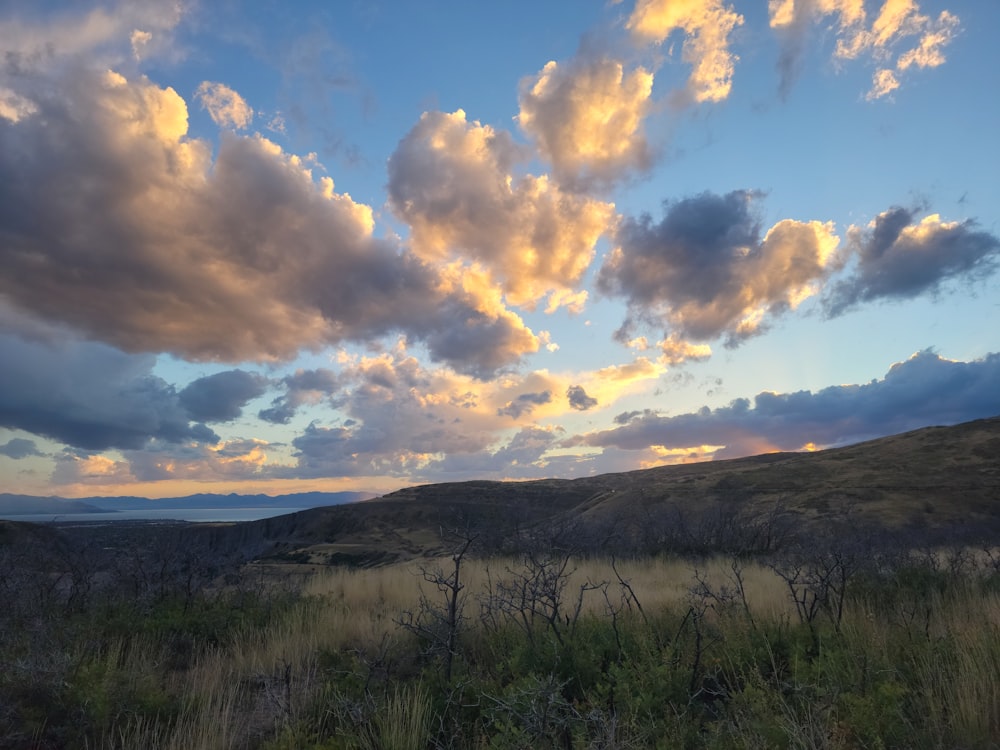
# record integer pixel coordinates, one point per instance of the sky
(276, 247)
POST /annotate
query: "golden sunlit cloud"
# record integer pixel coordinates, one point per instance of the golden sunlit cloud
(896, 22)
(674, 350)
(451, 180)
(665, 456)
(244, 254)
(227, 108)
(586, 118)
(707, 25)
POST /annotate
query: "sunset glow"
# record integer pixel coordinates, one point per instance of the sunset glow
(250, 247)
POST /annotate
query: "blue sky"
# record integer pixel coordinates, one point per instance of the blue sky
(255, 246)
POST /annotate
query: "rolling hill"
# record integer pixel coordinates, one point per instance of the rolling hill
(927, 482)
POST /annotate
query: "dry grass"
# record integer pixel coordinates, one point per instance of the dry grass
(268, 678)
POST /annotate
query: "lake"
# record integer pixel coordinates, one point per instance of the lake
(158, 514)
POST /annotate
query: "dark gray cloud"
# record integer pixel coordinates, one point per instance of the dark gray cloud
(90, 396)
(222, 396)
(627, 416)
(357, 450)
(474, 341)
(705, 270)
(18, 448)
(924, 390)
(578, 398)
(899, 257)
(302, 387)
(524, 404)
(119, 225)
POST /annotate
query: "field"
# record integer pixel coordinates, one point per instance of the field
(828, 650)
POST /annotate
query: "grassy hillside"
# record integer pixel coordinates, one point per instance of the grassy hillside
(935, 480)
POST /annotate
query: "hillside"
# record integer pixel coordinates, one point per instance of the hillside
(927, 482)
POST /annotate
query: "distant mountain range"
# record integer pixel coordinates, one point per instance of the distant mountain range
(16, 505)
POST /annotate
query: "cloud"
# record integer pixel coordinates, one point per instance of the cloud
(704, 271)
(578, 398)
(80, 467)
(452, 182)
(792, 21)
(18, 448)
(707, 26)
(674, 350)
(32, 39)
(222, 396)
(924, 390)
(401, 418)
(398, 415)
(90, 396)
(899, 257)
(14, 107)
(886, 41)
(227, 108)
(524, 404)
(522, 457)
(140, 41)
(146, 243)
(228, 461)
(586, 119)
(302, 387)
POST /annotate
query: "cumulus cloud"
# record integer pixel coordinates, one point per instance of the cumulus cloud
(224, 461)
(18, 448)
(524, 404)
(302, 387)
(398, 416)
(924, 390)
(578, 398)
(898, 38)
(222, 396)
(899, 257)
(146, 243)
(226, 107)
(401, 418)
(704, 270)
(452, 181)
(90, 396)
(707, 26)
(586, 119)
(228, 461)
